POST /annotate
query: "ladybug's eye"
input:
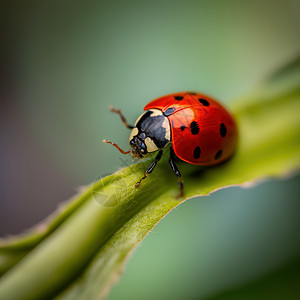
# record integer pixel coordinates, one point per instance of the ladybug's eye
(143, 148)
(131, 142)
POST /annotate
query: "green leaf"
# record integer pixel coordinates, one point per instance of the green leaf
(80, 252)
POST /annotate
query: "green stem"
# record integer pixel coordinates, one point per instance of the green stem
(54, 263)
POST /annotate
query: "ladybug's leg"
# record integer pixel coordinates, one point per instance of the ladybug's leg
(176, 172)
(118, 111)
(151, 167)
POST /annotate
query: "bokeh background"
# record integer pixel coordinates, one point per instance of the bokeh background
(64, 62)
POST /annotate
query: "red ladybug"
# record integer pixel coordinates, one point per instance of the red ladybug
(202, 132)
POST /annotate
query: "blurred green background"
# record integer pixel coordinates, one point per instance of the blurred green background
(65, 62)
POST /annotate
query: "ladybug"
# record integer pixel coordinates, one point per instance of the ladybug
(201, 131)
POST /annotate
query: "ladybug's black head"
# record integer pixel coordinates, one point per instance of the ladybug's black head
(151, 132)
(139, 148)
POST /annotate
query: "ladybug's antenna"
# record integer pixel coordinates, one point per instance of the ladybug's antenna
(115, 145)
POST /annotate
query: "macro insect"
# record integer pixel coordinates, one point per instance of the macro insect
(201, 131)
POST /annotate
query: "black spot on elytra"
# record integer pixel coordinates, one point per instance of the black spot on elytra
(218, 154)
(197, 152)
(182, 127)
(178, 97)
(204, 102)
(223, 129)
(194, 128)
(169, 111)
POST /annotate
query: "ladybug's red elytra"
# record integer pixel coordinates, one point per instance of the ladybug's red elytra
(202, 132)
